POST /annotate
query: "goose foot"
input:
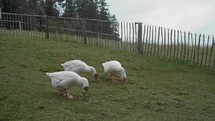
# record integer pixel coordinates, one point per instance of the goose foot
(65, 93)
(70, 96)
(114, 81)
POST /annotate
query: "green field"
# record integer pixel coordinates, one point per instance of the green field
(157, 89)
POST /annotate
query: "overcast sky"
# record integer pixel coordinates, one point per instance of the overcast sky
(197, 16)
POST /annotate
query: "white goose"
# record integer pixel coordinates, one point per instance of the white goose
(114, 68)
(64, 80)
(79, 66)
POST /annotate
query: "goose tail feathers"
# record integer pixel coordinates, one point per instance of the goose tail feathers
(48, 74)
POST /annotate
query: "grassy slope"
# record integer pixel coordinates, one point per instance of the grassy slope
(157, 89)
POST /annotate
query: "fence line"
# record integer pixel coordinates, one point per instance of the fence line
(134, 37)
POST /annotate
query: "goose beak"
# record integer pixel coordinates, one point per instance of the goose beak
(121, 78)
(96, 76)
(85, 93)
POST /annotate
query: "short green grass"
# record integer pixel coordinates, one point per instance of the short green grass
(157, 89)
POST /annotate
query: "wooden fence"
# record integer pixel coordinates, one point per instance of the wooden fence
(134, 37)
(173, 44)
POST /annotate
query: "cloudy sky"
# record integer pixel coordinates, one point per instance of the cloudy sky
(197, 16)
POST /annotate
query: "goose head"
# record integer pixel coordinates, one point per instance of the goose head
(85, 91)
(122, 75)
(121, 78)
(85, 87)
(95, 76)
(94, 72)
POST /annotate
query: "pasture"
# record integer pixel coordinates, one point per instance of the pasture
(158, 89)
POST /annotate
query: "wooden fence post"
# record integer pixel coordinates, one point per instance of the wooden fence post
(139, 39)
(20, 25)
(164, 48)
(211, 51)
(206, 56)
(83, 25)
(146, 39)
(162, 43)
(185, 46)
(0, 13)
(133, 37)
(170, 38)
(158, 42)
(47, 27)
(152, 40)
(192, 51)
(188, 47)
(198, 49)
(213, 40)
(203, 49)
(181, 45)
(195, 45)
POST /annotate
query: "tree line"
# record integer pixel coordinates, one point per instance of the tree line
(88, 9)
(91, 9)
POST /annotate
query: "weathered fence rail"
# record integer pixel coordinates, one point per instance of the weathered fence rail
(134, 37)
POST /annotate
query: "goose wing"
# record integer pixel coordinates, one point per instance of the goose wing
(63, 75)
(111, 66)
(75, 66)
(63, 78)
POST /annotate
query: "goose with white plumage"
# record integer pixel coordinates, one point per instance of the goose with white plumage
(64, 80)
(114, 69)
(79, 67)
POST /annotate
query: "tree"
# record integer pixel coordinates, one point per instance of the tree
(1, 4)
(32, 6)
(35, 7)
(14, 6)
(92, 9)
(86, 9)
(103, 10)
(69, 8)
(50, 8)
(41, 7)
(114, 25)
(89, 9)
(23, 6)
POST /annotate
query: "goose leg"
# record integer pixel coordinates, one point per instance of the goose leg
(65, 93)
(114, 81)
(68, 95)
(119, 77)
(109, 76)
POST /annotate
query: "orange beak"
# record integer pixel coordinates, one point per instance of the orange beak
(85, 93)
(121, 78)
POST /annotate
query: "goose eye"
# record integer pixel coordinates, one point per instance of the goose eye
(86, 89)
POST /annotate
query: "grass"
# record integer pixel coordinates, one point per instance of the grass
(157, 89)
(185, 52)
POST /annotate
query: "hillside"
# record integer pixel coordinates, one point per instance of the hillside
(157, 89)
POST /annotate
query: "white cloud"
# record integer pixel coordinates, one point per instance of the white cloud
(187, 15)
